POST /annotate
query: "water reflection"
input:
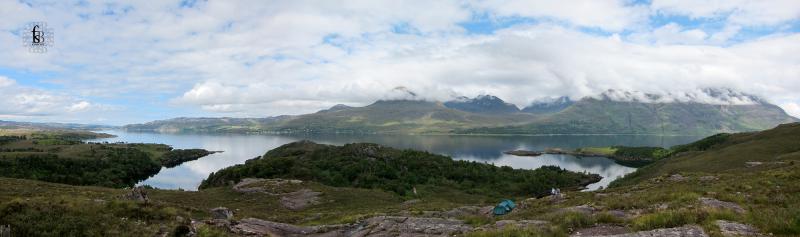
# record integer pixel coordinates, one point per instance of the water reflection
(238, 148)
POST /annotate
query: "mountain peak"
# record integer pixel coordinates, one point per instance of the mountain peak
(482, 104)
(548, 105)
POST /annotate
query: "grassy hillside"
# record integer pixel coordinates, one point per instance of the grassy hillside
(728, 153)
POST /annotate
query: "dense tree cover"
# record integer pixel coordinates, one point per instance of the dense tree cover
(640, 153)
(176, 157)
(366, 165)
(9, 139)
(61, 158)
(117, 167)
(702, 144)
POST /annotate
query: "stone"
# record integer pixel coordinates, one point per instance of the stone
(521, 224)
(413, 226)
(676, 178)
(268, 186)
(300, 199)
(462, 212)
(753, 163)
(708, 178)
(138, 194)
(221, 213)
(717, 204)
(618, 214)
(684, 231)
(730, 228)
(585, 209)
(601, 230)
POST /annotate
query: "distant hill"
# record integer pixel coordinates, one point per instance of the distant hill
(483, 104)
(69, 126)
(391, 116)
(704, 112)
(548, 105)
(233, 125)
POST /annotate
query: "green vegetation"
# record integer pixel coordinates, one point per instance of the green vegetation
(62, 157)
(372, 166)
(755, 172)
(176, 157)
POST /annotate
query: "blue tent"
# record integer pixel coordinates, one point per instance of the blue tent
(504, 207)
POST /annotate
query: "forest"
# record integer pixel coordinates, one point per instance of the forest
(372, 166)
(65, 158)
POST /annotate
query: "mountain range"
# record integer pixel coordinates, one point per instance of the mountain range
(704, 112)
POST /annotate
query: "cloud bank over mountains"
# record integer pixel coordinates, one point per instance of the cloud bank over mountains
(241, 58)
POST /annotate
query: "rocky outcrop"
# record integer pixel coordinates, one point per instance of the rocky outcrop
(468, 211)
(300, 199)
(267, 186)
(717, 204)
(138, 194)
(730, 228)
(258, 227)
(601, 230)
(521, 224)
(412, 226)
(221, 213)
(375, 226)
(684, 231)
(293, 195)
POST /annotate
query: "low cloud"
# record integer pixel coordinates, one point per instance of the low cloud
(21, 101)
(230, 58)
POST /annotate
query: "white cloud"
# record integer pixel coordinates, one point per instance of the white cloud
(236, 58)
(792, 109)
(671, 33)
(740, 12)
(613, 15)
(25, 101)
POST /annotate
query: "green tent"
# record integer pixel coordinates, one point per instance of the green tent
(504, 207)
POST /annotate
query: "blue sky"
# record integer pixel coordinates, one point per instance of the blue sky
(128, 62)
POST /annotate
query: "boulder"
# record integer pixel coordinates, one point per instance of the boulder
(676, 178)
(221, 213)
(717, 204)
(138, 194)
(521, 224)
(585, 209)
(684, 231)
(730, 228)
(300, 199)
(412, 226)
(601, 230)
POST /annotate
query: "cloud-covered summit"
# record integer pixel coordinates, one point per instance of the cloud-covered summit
(715, 96)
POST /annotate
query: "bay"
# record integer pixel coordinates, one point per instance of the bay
(237, 148)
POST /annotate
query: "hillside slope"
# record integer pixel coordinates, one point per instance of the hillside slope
(603, 116)
(728, 153)
(392, 116)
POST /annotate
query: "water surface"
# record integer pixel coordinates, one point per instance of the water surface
(240, 147)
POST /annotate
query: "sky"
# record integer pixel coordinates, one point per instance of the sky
(120, 62)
